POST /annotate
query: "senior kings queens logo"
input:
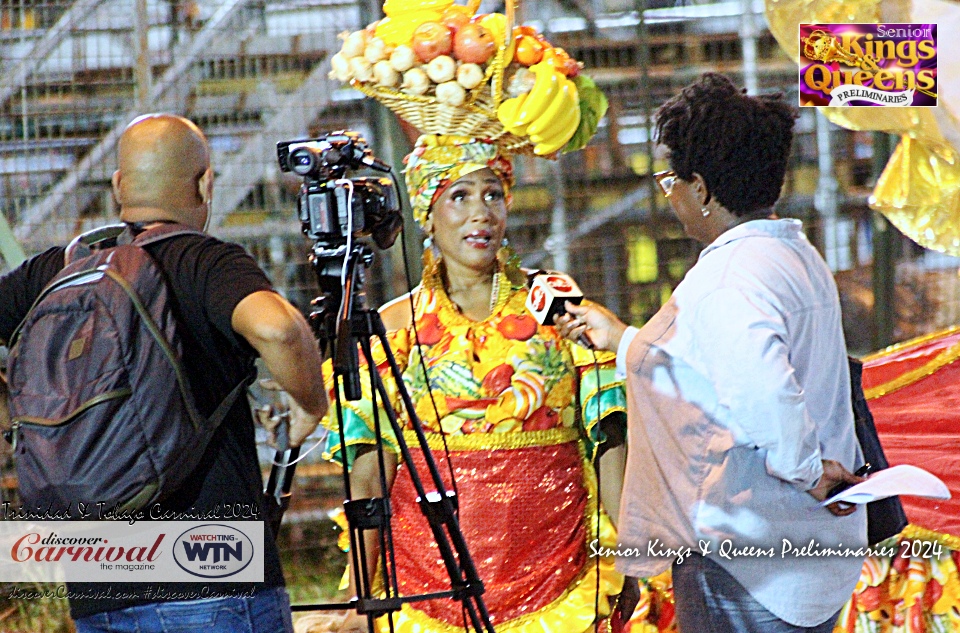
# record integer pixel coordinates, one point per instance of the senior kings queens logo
(868, 64)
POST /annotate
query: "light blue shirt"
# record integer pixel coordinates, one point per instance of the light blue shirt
(738, 388)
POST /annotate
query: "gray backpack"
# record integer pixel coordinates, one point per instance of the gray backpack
(101, 411)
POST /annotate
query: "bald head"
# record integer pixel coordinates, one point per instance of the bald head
(164, 171)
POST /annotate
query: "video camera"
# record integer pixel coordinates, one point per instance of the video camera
(325, 205)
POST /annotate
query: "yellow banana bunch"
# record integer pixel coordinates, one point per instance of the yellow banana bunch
(507, 114)
(564, 107)
(404, 16)
(496, 23)
(394, 8)
(399, 29)
(553, 137)
(549, 113)
(545, 88)
(549, 145)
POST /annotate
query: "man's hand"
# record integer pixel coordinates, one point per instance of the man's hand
(353, 623)
(833, 474)
(284, 341)
(601, 326)
(272, 416)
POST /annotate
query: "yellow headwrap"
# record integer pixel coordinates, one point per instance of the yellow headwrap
(438, 161)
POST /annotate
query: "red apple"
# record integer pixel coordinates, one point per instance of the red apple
(454, 18)
(869, 598)
(932, 593)
(473, 44)
(498, 380)
(517, 327)
(429, 331)
(917, 622)
(431, 40)
(542, 419)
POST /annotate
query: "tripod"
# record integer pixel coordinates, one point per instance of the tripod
(356, 324)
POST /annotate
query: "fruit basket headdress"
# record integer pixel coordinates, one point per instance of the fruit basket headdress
(447, 71)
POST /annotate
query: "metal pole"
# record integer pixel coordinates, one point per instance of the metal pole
(884, 256)
(645, 101)
(612, 279)
(559, 241)
(825, 199)
(748, 39)
(142, 70)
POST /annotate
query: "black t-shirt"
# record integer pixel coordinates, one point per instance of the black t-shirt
(208, 278)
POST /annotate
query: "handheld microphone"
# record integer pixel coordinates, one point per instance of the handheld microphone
(548, 292)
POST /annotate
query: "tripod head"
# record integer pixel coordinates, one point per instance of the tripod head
(340, 276)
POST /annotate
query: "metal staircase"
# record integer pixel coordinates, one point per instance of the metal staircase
(250, 73)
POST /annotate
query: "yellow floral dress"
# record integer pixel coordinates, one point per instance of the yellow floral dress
(505, 392)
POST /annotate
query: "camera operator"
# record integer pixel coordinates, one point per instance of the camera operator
(228, 314)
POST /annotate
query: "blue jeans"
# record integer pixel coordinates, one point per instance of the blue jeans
(267, 611)
(710, 600)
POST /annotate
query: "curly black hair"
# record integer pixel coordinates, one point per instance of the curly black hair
(737, 143)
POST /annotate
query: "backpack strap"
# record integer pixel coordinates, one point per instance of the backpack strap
(162, 232)
(166, 231)
(125, 233)
(95, 239)
(220, 413)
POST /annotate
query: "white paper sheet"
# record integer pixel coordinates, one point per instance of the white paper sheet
(896, 480)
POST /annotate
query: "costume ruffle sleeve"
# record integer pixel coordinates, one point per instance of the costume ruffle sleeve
(601, 393)
(360, 417)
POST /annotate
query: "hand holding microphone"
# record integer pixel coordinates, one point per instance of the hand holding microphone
(593, 321)
(555, 298)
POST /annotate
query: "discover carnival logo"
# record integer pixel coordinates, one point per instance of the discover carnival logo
(868, 65)
(213, 551)
(121, 551)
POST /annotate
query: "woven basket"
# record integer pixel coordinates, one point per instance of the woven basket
(477, 117)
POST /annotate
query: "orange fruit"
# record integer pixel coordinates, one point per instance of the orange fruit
(529, 50)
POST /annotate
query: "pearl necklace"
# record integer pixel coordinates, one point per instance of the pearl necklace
(495, 293)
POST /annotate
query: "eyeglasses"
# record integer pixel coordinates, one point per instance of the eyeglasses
(666, 180)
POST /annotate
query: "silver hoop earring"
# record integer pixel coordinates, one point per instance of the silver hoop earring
(705, 211)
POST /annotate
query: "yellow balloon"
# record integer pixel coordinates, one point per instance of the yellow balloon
(784, 16)
(919, 191)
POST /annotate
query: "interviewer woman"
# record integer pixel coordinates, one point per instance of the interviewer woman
(738, 388)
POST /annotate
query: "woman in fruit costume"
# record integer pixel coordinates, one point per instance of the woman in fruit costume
(505, 391)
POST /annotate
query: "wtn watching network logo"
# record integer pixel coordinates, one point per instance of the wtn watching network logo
(213, 551)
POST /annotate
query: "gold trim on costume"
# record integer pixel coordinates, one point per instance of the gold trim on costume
(605, 387)
(896, 347)
(583, 357)
(923, 534)
(496, 441)
(941, 360)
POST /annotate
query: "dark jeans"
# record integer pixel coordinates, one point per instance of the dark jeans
(709, 600)
(267, 611)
